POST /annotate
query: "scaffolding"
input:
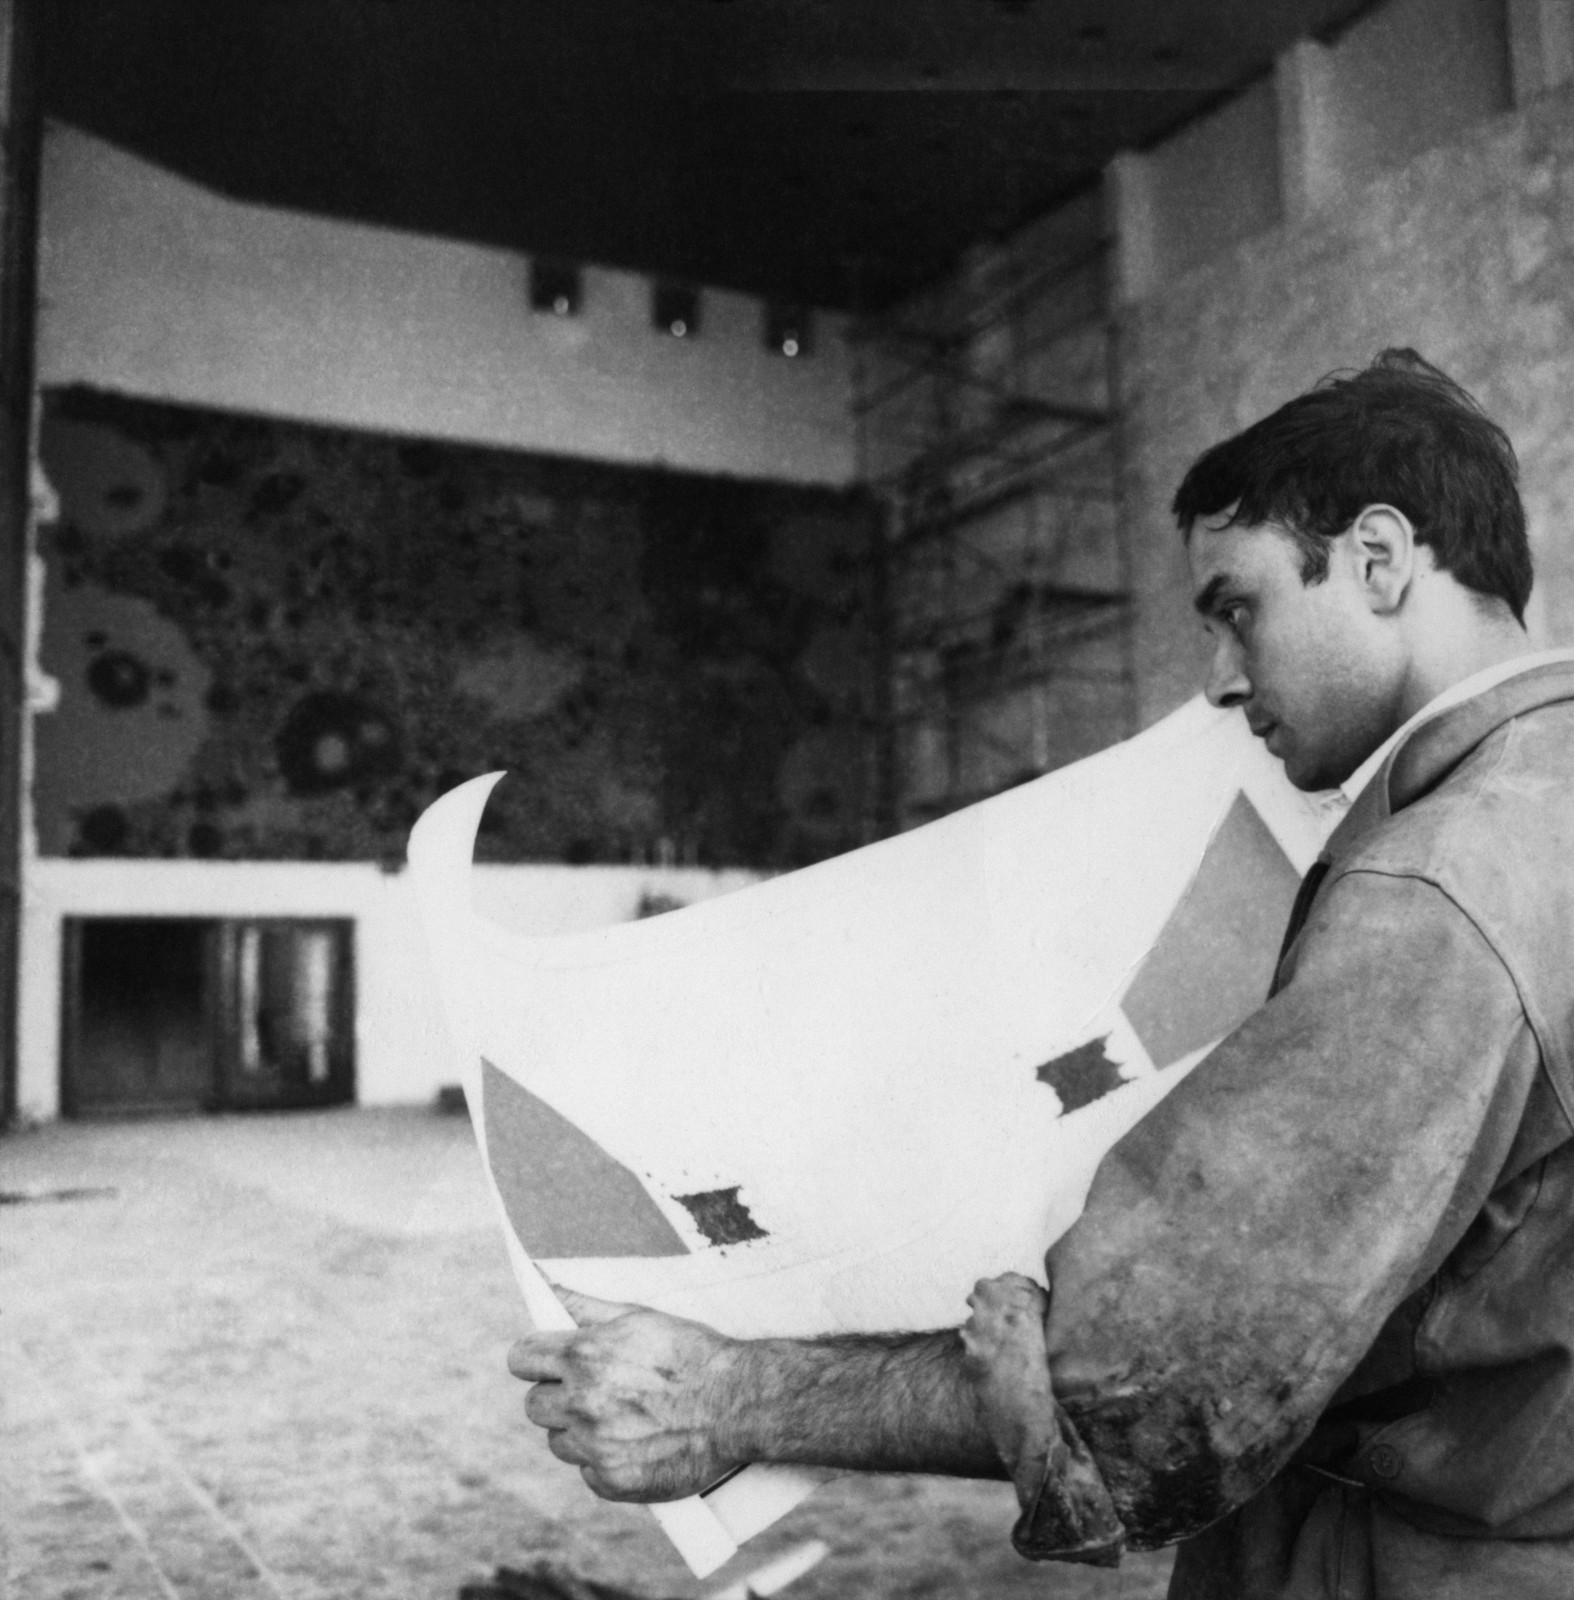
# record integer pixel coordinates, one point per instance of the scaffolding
(986, 434)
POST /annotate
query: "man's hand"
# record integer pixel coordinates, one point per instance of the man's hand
(635, 1399)
(1007, 1359)
(1067, 1512)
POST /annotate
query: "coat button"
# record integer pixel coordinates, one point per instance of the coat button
(1385, 1461)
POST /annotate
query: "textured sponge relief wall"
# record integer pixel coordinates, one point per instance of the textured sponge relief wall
(278, 641)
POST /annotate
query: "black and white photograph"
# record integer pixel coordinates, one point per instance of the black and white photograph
(787, 799)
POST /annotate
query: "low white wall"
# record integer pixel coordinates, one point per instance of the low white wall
(155, 286)
(401, 1052)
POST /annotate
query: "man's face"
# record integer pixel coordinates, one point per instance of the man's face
(1310, 665)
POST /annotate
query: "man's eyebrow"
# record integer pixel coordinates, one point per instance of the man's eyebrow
(1207, 597)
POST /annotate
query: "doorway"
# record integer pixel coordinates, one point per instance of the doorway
(171, 1015)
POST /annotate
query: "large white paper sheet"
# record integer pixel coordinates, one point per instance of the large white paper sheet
(834, 1100)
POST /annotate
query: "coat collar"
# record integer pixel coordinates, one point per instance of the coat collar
(1426, 756)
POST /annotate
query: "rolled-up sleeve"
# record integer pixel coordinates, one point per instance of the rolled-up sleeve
(1243, 1246)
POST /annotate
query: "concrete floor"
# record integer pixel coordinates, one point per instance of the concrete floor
(262, 1358)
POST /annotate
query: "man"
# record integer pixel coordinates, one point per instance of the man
(1317, 1320)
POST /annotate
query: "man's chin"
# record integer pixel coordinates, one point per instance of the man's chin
(1310, 780)
(1301, 773)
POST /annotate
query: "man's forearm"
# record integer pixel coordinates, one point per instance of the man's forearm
(654, 1407)
(872, 1402)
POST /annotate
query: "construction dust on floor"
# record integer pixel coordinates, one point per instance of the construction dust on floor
(263, 1358)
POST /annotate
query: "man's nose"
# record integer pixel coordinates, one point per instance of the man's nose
(1227, 683)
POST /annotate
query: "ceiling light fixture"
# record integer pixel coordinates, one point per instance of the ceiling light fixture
(675, 308)
(788, 328)
(556, 286)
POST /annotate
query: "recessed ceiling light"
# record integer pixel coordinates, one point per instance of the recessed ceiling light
(555, 286)
(788, 328)
(675, 308)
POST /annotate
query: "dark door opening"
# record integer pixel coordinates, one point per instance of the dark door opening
(164, 1015)
(137, 992)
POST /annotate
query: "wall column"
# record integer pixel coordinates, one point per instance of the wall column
(1132, 222)
(19, 151)
(1308, 163)
(1541, 46)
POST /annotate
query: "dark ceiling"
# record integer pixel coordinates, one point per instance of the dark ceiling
(840, 152)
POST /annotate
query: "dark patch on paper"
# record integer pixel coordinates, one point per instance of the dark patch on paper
(1083, 1075)
(721, 1216)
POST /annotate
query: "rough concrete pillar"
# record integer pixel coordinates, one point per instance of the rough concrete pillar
(1132, 220)
(1308, 160)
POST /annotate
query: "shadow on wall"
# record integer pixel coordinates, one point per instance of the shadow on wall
(277, 641)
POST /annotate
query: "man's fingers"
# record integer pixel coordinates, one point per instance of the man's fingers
(616, 1487)
(1010, 1289)
(561, 1443)
(540, 1357)
(585, 1309)
(546, 1406)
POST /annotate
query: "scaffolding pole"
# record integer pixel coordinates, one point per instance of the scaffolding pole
(987, 431)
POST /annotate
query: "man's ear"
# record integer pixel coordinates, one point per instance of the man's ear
(1383, 545)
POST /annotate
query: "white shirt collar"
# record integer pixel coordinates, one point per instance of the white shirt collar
(1467, 688)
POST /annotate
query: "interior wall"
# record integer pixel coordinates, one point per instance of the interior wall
(1465, 252)
(198, 605)
(1216, 181)
(402, 1053)
(1300, 225)
(158, 287)
(1408, 76)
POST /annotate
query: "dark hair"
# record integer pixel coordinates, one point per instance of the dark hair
(1397, 433)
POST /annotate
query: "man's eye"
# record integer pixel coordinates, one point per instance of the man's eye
(1232, 614)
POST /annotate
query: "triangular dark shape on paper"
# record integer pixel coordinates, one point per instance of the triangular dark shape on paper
(565, 1196)
(1081, 1076)
(721, 1216)
(1213, 961)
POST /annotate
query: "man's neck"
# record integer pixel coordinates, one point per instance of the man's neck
(1452, 648)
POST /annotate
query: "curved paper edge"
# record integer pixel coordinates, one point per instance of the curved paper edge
(441, 853)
